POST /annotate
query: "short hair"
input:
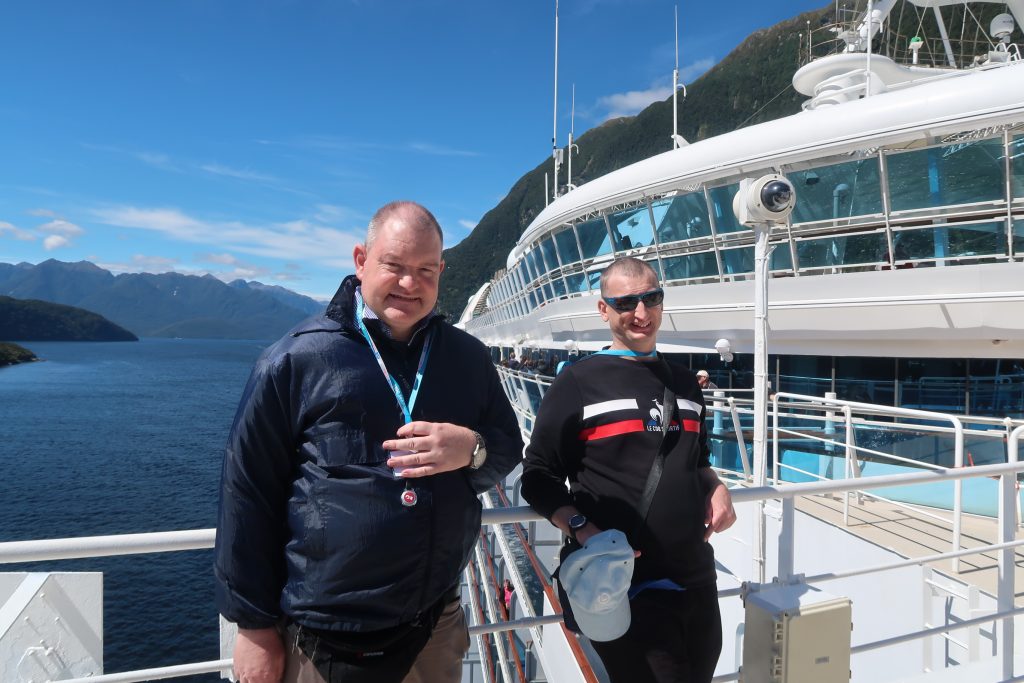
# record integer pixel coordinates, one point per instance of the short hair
(628, 266)
(702, 373)
(419, 214)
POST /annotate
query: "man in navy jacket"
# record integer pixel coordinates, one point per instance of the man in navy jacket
(349, 490)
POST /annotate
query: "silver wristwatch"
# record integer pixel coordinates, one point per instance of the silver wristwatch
(476, 461)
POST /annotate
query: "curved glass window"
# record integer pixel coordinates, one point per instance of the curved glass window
(721, 205)
(536, 263)
(945, 241)
(1018, 238)
(837, 191)
(594, 238)
(781, 258)
(843, 251)
(1017, 164)
(690, 266)
(737, 260)
(576, 282)
(681, 218)
(964, 173)
(547, 249)
(559, 287)
(548, 295)
(631, 228)
(567, 249)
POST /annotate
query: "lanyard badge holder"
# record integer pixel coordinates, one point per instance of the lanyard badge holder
(408, 496)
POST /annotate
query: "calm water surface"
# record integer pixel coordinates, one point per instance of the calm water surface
(109, 438)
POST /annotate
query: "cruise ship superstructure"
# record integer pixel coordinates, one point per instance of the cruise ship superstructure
(879, 527)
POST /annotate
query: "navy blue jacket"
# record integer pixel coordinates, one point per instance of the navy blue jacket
(311, 527)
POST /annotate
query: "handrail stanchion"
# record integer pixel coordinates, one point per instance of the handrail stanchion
(1007, 529)
(958, 489)
(775, 439)
(850, 454)
(741, 445)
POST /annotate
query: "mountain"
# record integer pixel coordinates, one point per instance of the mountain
(751, 85)
(31, 320)
(286, 296)
(164, 305)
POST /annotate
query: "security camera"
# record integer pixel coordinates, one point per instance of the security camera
(724, 350)
(769, 199)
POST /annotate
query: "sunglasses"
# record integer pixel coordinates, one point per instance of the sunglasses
(629, 302)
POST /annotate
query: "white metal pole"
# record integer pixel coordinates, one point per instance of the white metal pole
(675, 89)
(760, 382)
(554, 122)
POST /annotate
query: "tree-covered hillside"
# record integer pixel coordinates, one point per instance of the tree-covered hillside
(30, 320)
(752, 84)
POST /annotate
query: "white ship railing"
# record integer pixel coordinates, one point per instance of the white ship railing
(61, 549)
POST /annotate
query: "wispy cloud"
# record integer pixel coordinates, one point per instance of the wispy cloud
(440, 150)
(632, 102)
(695, 70)
(150, 158)
(16, 232)
(61, 227)
(467, 224)
(42, 213)
(239, 173)
(55, 242)
(300, 240)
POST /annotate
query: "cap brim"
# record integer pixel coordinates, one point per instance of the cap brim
(605, 626)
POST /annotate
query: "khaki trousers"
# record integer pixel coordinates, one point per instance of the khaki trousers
(440, 661)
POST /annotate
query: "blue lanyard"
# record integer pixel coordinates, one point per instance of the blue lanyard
(627, 352)
(395, 388)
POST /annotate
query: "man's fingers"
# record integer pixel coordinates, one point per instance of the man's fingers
(414, 472)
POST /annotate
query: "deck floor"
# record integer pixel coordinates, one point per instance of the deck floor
(913, 534)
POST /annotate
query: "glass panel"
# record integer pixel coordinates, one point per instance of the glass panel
(737, 260)
(810, 375)
(547, 248)
(781, 258)
(938, 384)
(559, 287)
(721, 204)
(949, 241)
(567, 249)
(533, 299)
(594, 238)
(536, 262)
(631, 228)
(522, 275)
(837, 191)
(1018, 238)
(868, 380)
(548, 294)
(997, 387)
(681, 218)
(838, 251)
(576, 282)
(1017, 165)
(963, 173)
(594, 277)
(691, 266)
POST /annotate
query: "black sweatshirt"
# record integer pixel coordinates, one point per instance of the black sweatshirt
(599, 426)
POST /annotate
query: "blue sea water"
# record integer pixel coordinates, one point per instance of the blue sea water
(109, 438)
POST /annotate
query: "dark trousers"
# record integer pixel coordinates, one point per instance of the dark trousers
(673, 637)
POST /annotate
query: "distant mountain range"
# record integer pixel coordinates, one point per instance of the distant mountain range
(32, 320)
(164, 305)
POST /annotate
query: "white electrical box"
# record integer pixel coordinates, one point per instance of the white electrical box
(795, 634)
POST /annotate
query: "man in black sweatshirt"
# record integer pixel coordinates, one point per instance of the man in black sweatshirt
(600, 427)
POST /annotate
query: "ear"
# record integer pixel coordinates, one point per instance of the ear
(602, 308)
(359, 258)
(441, 269)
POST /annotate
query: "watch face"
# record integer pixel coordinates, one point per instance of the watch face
(577, 521)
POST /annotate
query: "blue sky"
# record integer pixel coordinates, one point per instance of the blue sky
(255, 138)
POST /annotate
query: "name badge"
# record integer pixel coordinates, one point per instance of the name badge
(397, 471)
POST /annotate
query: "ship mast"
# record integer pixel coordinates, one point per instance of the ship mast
(555, 151)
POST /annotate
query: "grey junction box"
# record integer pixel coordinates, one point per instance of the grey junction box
(795, 634)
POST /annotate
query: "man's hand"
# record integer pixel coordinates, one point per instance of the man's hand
(439, 447)
(259, 656)
(719, 514)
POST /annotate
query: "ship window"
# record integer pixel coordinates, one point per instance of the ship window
(721, 205)
(1017, 165)
(842, 251)
(577, 282)
(681, 218)
(533, 299)
(594, 238)
(947, 241)
(548, 296)
(737, 260)
(547, 248)
(837, 191)
(559, 287)
(567, 249)
(811, 375)
(1018, 238)
(781, 258)
(536, 263)
(996, 387)
(631, 228)
(964, 173)
(691, 266)
(933, 384)
(867, 380)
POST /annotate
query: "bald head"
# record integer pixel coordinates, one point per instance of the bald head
(628, 267)
(410, 213)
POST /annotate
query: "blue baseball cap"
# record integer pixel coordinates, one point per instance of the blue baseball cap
(596, 579)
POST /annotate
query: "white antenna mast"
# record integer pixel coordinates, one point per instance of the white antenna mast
(677, 140)
(556, 153)
(572, 129)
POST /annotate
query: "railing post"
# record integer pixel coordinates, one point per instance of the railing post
(741, 445)
(958, 489)
(1007, 527)
(848, 461)
(830, 422)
